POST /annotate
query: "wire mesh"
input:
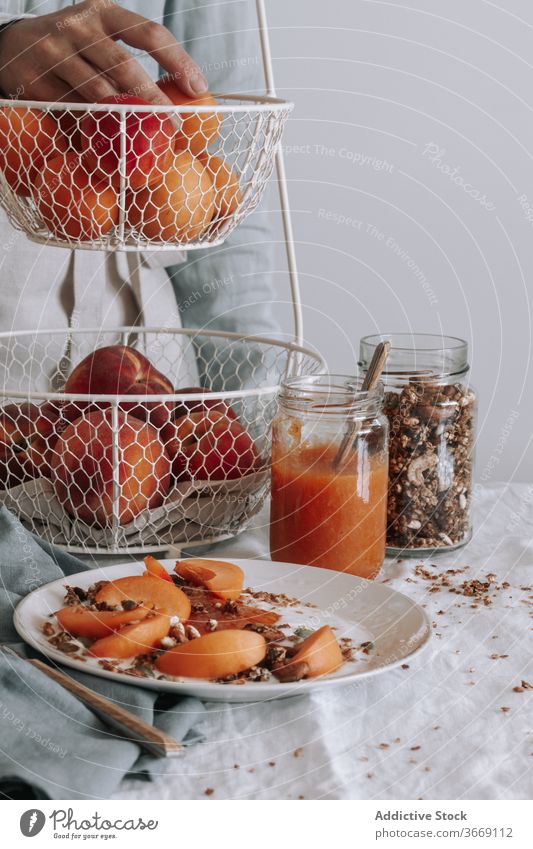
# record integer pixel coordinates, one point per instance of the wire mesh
(113, 457)
(136, 177)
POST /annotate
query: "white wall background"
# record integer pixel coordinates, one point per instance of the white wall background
(375, 83)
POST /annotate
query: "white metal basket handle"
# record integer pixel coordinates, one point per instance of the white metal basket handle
(282, 182)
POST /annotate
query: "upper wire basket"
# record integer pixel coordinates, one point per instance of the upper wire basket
(106, 448)
(136, 177)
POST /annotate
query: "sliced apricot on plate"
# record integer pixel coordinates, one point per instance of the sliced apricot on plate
(148, 591)
(205, 606)
(214, 655)
(84, 622)
(132, 640)
(318, 654)
(223, 579)
(155, 568)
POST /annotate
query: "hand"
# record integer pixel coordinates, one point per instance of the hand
(74, 55)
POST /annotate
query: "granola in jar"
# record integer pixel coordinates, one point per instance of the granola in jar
(431, 410)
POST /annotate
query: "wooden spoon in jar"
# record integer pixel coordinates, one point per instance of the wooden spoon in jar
(372, 376)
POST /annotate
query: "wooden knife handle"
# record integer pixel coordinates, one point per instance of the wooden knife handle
(128, 725)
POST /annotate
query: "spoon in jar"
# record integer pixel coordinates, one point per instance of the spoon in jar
(372, 376)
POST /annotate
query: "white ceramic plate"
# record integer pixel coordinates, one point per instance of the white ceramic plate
(364, 611)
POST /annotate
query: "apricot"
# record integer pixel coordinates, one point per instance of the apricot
(132, 640)
(228, 195)
(224, 580)
(320, 652)
(214, 655)
(178, 208)
(240, 616)
(27, 138)
(197, 130)
(156, 569)
(83, 622)
(148, 591)
(70, 204)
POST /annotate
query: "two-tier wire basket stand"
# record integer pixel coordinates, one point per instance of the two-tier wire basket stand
(224, 154)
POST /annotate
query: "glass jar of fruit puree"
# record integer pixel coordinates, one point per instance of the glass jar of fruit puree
(431, 408)
(329, 511)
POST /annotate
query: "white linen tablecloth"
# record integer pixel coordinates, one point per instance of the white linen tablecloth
(434, 730)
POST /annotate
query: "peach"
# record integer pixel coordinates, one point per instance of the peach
(214, 655)
(82, 468)
(197, 129)
(28, 433)
(224, 580)
(83, 622)
(211, 446)
(228, 195)
(178, 208)
(132, 640)
(148, 591)
(156, 569)
(120, 370)
(72, 205)
(27, 138)
(148, 142)
(318, 654)
(184, 407)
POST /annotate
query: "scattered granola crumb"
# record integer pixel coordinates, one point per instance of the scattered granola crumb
(370, 775)
(209, 791)
(236, 766)
(405, 666)
(383, 746)
(505, 709)
(297, 752)
(272, 763)
(415, 748)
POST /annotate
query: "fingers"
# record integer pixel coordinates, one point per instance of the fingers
(159, 42)
(123, 70)
(84, 78)
(50, 88)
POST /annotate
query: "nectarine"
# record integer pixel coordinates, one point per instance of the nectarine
(120, 370)
(223, 579)
(211, 446)
(156, 569)
(94, 624)
(132, 640)
(70, 203)
(214, 655)
(318, 654)
(198, 129)
(28, 433)
(147, 140)
(27, 138)
(148, 591)
(178, 208)
(82, 468)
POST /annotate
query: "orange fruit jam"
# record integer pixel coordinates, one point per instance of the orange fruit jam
(328, 518)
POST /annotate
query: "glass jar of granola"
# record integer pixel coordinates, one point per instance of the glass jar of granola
(431, 409)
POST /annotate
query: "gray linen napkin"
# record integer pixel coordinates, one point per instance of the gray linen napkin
(51, 745)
